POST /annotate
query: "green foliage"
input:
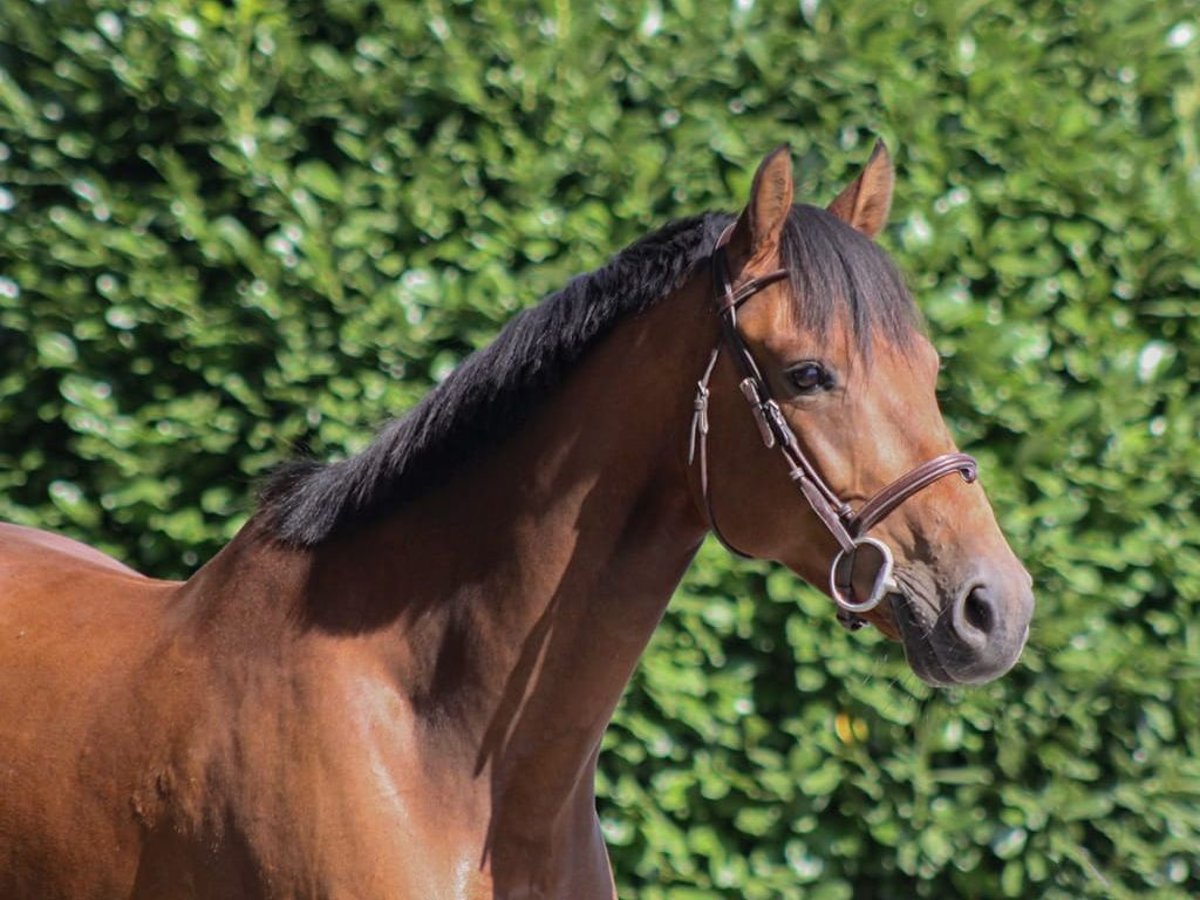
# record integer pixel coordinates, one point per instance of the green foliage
(228, 230)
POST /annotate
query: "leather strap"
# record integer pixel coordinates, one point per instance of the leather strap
(915, 480)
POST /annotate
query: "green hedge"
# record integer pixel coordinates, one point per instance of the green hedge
(231, 230)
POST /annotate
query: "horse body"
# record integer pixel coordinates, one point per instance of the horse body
(412, 705)
(153, 748)
(257, 731)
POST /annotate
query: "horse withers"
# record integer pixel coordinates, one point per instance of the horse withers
(394, 681)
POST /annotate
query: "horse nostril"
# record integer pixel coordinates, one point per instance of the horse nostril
(978, 611)
(974, 616)
(983, 629)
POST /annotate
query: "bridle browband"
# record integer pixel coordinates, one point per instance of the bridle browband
(847, 526)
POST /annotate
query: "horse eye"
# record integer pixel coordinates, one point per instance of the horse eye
(809, 377)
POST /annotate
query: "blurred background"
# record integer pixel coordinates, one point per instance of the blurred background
(231, 232)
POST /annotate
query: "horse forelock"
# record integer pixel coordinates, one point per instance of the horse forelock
(840, 276)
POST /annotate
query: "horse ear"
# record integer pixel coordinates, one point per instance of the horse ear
(755, 238)
(865, 203)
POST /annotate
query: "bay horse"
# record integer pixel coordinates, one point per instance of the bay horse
(393, 681)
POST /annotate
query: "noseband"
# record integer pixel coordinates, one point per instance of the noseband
(858, 555)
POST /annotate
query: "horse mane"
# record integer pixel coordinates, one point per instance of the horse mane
(836, 270)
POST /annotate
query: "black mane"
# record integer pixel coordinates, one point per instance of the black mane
(837, 271)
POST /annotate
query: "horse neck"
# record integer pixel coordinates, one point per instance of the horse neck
(511, 605)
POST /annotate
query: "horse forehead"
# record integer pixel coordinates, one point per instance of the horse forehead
(777, 322)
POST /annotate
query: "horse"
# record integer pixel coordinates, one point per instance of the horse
(394, 680)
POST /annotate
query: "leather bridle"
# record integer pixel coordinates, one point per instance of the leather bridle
(859, 558)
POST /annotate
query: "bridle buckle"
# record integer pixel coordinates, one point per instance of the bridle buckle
(758, 409)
